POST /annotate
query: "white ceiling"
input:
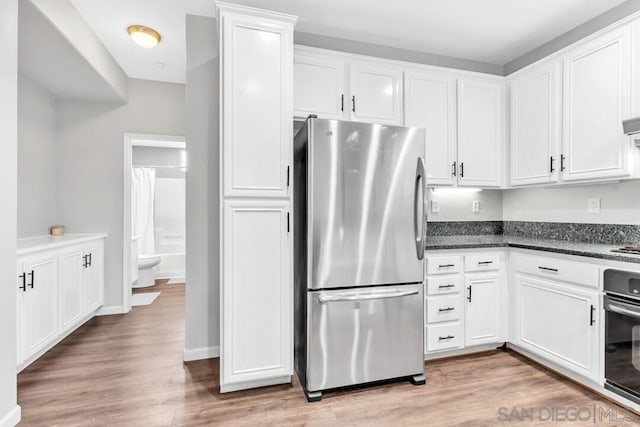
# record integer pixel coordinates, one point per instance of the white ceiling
(110, 19)
(492, 31)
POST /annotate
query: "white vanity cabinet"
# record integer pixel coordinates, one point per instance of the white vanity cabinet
(555, 319)
(256, 302)
(60, 286)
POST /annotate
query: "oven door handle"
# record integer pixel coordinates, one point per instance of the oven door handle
(365, 297)
(621, 310)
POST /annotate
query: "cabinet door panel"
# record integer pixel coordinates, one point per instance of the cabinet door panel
(596, 99)
(319, 88)
(257, 111)
(555, 322)
(41, 302)
(20, 315)
(376, 94)
(535, 125)
(482, 314)
(480, 133)
(256, 292)
(430, 103)
(93, 278)
(71, 287)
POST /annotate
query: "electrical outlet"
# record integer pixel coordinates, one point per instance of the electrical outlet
(475, 206)
(593, 205)
(435, 206)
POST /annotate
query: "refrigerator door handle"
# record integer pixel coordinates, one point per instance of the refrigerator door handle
(420, 184)
(365, 297)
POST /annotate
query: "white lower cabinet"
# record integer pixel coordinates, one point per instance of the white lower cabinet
(58, 289)
(558, 322)
(482, 309)
(463, 309)
(257, 295)
(38, 292)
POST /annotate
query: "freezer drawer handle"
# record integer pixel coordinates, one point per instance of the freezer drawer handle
(446, 309)
(365, 297)
(448, 337)
(445, 286)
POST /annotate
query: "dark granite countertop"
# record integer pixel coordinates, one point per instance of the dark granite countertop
(593, 250)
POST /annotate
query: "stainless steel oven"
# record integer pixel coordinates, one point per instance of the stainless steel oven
(622, 333)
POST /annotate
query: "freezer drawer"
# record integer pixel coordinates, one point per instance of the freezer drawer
(364, 334)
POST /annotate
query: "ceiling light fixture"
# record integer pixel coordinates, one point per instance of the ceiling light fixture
(144, 36)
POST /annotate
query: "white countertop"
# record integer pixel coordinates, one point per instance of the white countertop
(39, 243)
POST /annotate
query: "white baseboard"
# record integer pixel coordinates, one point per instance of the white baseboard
(201, 353)
(107, 310)
(11, 418)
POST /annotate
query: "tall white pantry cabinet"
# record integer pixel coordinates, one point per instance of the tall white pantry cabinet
(256, 130)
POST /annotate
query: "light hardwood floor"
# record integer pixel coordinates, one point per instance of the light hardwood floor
(128, 371)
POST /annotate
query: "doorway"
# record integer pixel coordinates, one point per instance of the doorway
(154, 173)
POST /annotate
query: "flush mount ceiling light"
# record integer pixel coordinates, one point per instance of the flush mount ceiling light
(144, 36)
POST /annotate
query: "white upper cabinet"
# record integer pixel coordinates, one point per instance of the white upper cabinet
(430, 103)
(376, 94)
(597, 97)
(257, 75)
(536, 107)
(319, 87)
(480, 132)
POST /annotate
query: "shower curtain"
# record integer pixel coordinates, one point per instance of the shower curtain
(143, 182)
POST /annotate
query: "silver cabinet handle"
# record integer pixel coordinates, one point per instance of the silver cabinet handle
(365, 297)
(420, 184)
(621, 310)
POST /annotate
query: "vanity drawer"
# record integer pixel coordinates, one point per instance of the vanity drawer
(444, 265)
(443, 308)
(444, 284)
(482, 262)
(580, 273)
(444, 336)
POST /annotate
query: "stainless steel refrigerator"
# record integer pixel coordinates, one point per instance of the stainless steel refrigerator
(359, 227)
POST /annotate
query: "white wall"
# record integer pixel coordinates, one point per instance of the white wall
(36, 159)
(455, 205)
(9, 411)
(89, 139)
(202, 310)
(620, 204)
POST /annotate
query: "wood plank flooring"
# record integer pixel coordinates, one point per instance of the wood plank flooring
(127, 370)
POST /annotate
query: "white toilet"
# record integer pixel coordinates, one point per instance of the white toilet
(146, 275)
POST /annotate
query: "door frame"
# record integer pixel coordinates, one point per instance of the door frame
(136, 140)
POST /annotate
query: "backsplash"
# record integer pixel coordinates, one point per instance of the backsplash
(617, 234)
(464, 228)
(587, 233)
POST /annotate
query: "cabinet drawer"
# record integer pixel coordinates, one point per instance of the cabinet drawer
(444, 336)
(482, 262)
(581, 273)
(443, 308)
(443, 285)
(443, 265)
